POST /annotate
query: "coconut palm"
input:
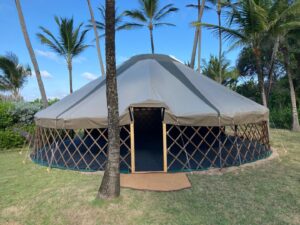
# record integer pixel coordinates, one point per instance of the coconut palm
(249, 21)
(252, 22)
(151, 16)
(198, 33)
(290, 49)
(69, 43)
(110, 186)
(213, 67)
(32, 55)
(13, 75)
(295, 117)
(93, 25)
(219, 5)
(283, 17)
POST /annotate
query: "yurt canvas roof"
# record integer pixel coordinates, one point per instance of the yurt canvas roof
(189, 99)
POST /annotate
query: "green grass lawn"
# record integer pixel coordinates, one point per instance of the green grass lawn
(265, 194)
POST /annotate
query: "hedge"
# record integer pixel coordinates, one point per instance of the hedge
(6, 119)
(10, 139)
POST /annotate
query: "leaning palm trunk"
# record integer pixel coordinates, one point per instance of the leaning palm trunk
(70, 76)
(295, 118)
(260, 76)
(110, 186)
(193, 57)
(199, 49)
(272, 62)
(200, 35)
(97, 38)
(196, 37)
(16, 94)
(32, 55)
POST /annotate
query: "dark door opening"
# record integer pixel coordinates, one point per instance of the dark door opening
(148, 139)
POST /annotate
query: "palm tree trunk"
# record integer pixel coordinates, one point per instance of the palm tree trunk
(32, 55)
(200, 34)
(97, 38)
(295, 118)
(260, 76)
(195, 44)
(193, 57)
(70, 75)
(16, 94)
(199, 49)
(220, 41)
(110, 186)
(152, 41)
(272, 62)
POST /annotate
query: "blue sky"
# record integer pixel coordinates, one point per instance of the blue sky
(175, 41)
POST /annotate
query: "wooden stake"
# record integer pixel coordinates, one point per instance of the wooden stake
(165, 147)
(132, 147)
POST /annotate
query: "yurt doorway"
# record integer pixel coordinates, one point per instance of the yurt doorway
(148, 139)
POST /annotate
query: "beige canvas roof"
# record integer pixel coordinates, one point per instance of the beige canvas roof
(189, 98)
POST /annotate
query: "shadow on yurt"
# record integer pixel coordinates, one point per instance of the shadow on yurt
(171, 119)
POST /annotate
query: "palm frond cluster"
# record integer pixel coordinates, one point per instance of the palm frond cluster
(13, 75)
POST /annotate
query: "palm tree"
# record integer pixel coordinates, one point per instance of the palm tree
(290, 49)
(97, 37)
(32, 55)
(252, 22)
(219, 5)
(213, 67)
(69, 43)
(295, 117)
(150, 16)
(282, 17)
(14, 75)
(110, 185)
(198, 33)
(248, 20)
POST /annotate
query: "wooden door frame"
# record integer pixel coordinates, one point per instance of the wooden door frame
(165, 152)
(132, 141)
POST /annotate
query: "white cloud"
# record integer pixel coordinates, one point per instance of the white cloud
(89, 76)
(44, 74)
(79, 59)
(47, 54)
(53, 56)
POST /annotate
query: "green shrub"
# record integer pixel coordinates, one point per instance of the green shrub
(281, 117)
(6, 119)
(10, 139)
(23, 112)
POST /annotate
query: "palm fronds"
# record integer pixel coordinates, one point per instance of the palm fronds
(12, 74)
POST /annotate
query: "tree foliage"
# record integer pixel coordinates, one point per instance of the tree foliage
(13, 75)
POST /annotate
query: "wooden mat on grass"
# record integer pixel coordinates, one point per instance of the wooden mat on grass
(155, 181)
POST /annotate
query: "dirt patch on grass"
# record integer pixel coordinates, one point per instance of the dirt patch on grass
(12, 211)
(10, 223)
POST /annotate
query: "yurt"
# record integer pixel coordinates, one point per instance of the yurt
(171, 119)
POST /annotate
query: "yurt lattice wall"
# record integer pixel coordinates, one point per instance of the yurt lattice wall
(82, 149)
(198, 148)
(185, 148)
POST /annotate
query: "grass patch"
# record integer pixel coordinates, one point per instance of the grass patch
(266, 194)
